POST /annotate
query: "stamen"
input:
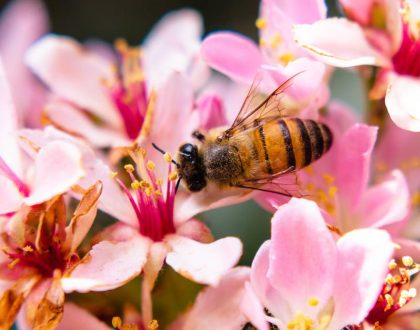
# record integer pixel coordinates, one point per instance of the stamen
(116, 322)
(129, 168)
(392, 265)
(167, 157)
(261, 23)
(407, 261)
(313, 302)
(153, 325)
(150, 165)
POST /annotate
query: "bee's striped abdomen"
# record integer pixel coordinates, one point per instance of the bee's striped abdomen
(288, 144)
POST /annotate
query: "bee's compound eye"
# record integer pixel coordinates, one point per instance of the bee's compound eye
(188, 150)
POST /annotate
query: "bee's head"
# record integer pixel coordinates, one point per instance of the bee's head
(191, 167)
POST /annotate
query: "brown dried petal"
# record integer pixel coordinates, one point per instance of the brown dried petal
(83, 217)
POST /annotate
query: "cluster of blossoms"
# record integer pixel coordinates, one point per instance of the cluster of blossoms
(88, 205)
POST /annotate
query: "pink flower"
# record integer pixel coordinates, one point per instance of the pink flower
(240, 58)
(152, 233)
(382, 33)
(55, 168)
(303, 276)
(23, 22)
(119, 91)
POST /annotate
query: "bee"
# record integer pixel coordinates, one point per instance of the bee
(260, 146)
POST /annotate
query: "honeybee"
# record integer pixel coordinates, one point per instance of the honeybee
(260, 146)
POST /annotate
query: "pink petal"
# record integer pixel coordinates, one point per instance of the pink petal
(10, 197)
(353, 165)
(211, 110)
(173, 45)
(9, 149)
(401, 101)
(232, 54)
(360, 11)
(301, 272)
(328, 40)
(219, 307)
(155, 260)
(72, 120)
(74, 74)
(362, 266)
(108, 266)
(21, 23)
(58, 166)
(307, 11)
(387, 203)
(203, 263)
(75, 317)
(253, 309)
(196, 230)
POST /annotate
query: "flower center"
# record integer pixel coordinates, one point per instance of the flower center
(45, 262)
(396, 291)
(129, 91)
(153, 205)
(20, 185)
(406, 60)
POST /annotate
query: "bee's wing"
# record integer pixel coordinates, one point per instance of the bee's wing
(288, 186)
(256, 109)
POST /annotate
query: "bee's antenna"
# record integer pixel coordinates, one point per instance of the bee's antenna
(177, 184)
(164, 152)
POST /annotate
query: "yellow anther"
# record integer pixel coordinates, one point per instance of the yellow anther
(407, 261)
(415, 199)
(116, 322)
(309, 170)
(275, 41)
(159, 181)
(28, 248)
(157, 193)
(389, 279)
(332, 191)
(262, 42)
(153, 325)
(113, 175)
(148, 191)
(173, 176)
(389, 302)
(285, 58)
(144, 184)
(12, 264)
(135, 185)
(328, 178)
(261, 23)
(129, 168)
(392, 265)
(381, 167)
(167, 157)
(310, 187)
(397, 278)
(403, 298)
(121, 45)
(150, 165)
(412, 292)
(313, 302)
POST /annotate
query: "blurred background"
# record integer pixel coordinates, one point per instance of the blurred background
(133, 19)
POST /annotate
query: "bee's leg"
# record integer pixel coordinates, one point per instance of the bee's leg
(199, 136)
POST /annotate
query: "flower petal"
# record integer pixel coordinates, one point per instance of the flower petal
(82, 218)
(108, 266)
(74, 74)
(203, 263)
(307, 11)
(21, 23)
(387, 203)
(10, 197)
(75, 317)
(363, 257)
(219, 307)
(58, 166)
(401, 100)
(9, 149)
(327, 40)
(302, 269)
(232, 54)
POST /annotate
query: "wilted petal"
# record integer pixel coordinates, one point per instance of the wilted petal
(402, 102)
(203, 263)
(387, 203)
(219, 307)
(301, 272)
(328, 40)
(58, 166)
(232, 54)
(75, 317)
(83, 217)
(363, 257)
(108, 266)
(74, 74)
